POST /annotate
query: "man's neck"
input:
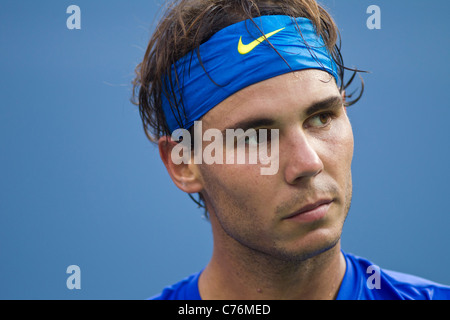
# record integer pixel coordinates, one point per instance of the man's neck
(257, 276)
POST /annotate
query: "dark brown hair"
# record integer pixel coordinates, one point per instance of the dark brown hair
(186, 24)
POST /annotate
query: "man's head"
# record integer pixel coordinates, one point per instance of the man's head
(315, 154)
(304, 204)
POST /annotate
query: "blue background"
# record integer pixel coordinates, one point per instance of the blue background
(80, 184)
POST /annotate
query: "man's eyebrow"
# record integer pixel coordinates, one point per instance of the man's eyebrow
(333, 102)
(251, 123)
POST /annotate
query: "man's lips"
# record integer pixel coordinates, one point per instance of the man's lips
(311, 208)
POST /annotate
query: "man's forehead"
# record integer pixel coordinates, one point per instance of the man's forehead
(271, 98)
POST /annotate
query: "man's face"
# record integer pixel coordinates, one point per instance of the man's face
(299, 211)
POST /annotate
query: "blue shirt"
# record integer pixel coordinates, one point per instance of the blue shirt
(362, 281)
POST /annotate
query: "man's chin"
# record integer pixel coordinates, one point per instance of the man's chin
(303, 252)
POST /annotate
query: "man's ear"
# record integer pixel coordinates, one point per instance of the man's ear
(186, 176)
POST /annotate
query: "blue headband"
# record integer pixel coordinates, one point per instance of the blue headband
(239, 56)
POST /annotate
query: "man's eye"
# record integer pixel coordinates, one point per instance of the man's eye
(260, 136)
(320, 120)
(252, 140)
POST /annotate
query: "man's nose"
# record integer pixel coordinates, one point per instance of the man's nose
(301, 159)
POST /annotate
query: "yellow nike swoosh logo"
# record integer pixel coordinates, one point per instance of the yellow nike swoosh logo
(246, 48)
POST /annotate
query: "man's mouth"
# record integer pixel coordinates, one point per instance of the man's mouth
(312, 211)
